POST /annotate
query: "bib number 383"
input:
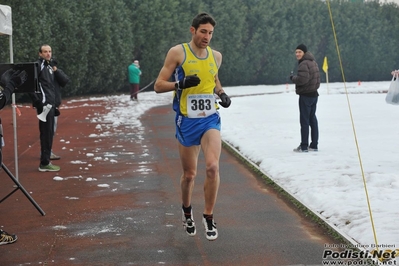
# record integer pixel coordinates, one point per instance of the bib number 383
(200, 105)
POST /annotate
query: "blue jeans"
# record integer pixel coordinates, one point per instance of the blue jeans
(307, 118)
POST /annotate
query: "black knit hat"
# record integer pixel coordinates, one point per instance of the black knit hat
(302, 47)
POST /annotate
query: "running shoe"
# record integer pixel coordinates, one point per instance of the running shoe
(49, 168)
(189, 224)
(211, 232)
(54, 156)
(299, 149)
(6, 238)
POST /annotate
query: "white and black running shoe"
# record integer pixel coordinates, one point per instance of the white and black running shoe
(189, 224)
(211, 232)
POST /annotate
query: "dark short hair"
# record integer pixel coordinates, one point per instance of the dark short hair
(203, 18)
(40, 48)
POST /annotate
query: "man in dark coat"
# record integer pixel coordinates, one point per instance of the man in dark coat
(307, 81)
(44, 102)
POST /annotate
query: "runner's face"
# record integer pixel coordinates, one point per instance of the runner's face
(203, 35)
(46, 53)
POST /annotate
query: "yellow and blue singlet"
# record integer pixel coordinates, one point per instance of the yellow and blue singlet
(195, 102)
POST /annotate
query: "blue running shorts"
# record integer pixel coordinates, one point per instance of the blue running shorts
(189, 131)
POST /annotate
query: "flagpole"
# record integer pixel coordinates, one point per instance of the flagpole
(328, 91)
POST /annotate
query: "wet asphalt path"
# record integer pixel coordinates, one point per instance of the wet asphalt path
(135, 219)
(256, 226)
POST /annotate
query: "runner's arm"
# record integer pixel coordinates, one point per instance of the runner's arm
(218, 88)
(162, 84)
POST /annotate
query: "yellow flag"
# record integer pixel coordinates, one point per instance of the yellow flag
(325, 65)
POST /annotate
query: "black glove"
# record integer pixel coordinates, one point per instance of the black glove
(57, 112)
(18, 78)
(5, 78)
(291, 75)
(13, 78)
(53, 62)
(188, 82)
(39, 106)
(225, 100)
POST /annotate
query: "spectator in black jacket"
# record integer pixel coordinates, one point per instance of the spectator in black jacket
(45, 100)
(60, 81)
(10, 80)
(307, 81)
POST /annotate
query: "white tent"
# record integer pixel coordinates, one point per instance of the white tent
(6, 29)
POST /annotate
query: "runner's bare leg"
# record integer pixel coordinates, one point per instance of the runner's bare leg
(211, 145)
(189, 161)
